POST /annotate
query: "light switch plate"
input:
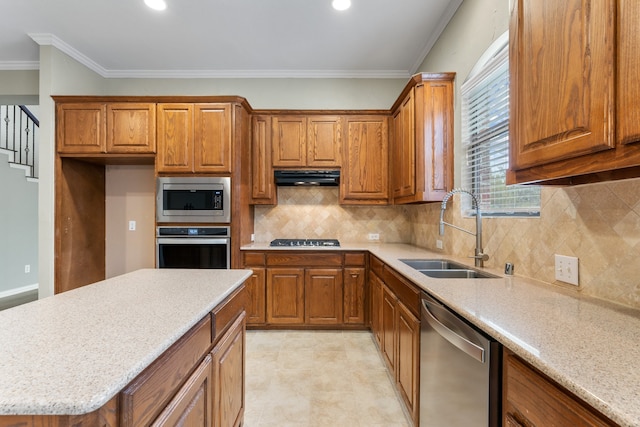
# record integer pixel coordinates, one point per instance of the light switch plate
(567, 269)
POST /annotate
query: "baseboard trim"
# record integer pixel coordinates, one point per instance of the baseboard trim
(18, 291)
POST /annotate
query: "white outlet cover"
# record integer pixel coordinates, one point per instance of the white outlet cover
(567, 269)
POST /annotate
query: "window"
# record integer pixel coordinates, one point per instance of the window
(485, 138)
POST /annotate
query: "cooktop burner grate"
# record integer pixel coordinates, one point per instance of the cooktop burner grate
(305, 242)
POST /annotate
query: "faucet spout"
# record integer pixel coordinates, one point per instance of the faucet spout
(478, 256)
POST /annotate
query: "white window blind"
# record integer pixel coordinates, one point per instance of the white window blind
(485, 138)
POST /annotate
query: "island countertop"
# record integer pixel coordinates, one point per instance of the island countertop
(70, 353)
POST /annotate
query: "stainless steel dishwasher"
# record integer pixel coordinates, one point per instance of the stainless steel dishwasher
(459, 371)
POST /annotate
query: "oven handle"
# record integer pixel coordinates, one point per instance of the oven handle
(192, 240)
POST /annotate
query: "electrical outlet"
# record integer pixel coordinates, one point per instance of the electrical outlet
(567, 269)
(27, 268)
(438, 243)
(253, 237)
(132, 226)
(374, 236)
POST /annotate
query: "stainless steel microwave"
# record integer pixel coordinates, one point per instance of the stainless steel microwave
(193, 199)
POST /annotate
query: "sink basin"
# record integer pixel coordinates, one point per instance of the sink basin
(445, 269)
(433, 264)
(457, 274)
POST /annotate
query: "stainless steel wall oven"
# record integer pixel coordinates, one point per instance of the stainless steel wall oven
(193, 247)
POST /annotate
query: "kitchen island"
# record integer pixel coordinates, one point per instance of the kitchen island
(586, 345)
(74, 353)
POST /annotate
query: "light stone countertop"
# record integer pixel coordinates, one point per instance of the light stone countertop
(72, 352)
(590, 346)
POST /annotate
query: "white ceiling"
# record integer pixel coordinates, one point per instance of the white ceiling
(227, 38)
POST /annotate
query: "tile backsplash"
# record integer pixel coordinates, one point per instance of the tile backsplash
(314, 213)
(598, 223)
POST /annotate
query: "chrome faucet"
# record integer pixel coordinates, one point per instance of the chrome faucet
(479, 257)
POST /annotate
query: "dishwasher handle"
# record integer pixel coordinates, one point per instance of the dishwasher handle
(470, 348)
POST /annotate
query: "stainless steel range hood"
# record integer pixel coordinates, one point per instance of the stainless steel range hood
(307, 177)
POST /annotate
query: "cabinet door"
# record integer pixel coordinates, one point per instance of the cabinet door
(404, 148)
(212, 138)
(323, 296)
(192, 404)
(354, 280)
(289, 141)
(434, 138)
(628, 50)
(80, 127)
(256, 292)
(388, 323)
(285, 295)
(175, 138)
(324, 140)
(228, 358)
(365, 167)
(532, 400)
(562, 70)
(376, 308)
(263, 190)
(407, 365)
(131, 127)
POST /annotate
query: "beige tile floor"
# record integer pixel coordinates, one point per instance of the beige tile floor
(318, 379)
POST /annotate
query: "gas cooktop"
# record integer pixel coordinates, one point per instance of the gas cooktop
(305, 242)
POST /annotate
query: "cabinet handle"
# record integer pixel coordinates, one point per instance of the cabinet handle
(354, 275)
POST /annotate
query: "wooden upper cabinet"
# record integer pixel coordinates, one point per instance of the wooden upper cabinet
(263, 190)
(106, 127)
(289, 142)
(175, 138)
(194, 138)
(131, 127)
(324, 140)
(306, 141)
(422, 139)
(562, 59)
(80, 127)
(403, 150)
(212, 139)
(365, 160)
(628, 107)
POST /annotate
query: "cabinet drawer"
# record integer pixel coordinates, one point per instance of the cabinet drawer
(376, 266)
(223, 315)
(406, 293)
(144, 398)
(307, 259)
(531, 399)
(254, 259)
(357, 259)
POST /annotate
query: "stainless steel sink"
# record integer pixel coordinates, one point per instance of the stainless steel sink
(456, 274)
(445, 269)
(433, 264)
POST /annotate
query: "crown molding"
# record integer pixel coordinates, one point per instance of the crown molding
(435, 35)
(46, 39)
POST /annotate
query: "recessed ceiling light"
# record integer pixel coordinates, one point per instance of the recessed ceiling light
(156, 4)
(341, 4)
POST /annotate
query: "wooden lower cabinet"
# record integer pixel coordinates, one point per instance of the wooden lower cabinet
(256, 296)
(300, 288)
(532, 400)
(285, 296)
(408, 357)
(323, 296)
(354, 295)
(396, 329)
(228, 376)
(192, 405)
